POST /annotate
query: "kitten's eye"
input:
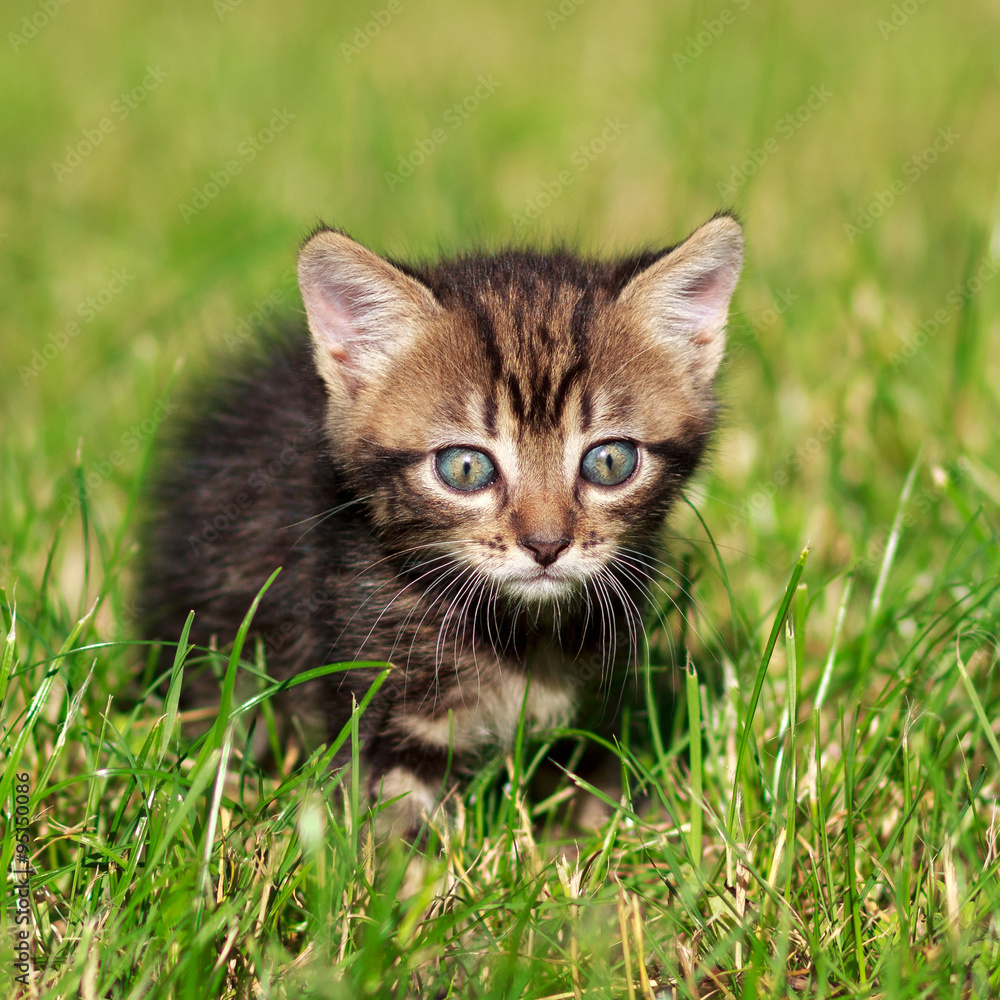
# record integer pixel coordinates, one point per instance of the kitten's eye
(465, 468)
(610, 463)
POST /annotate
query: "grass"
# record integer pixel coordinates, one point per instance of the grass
(833, 830)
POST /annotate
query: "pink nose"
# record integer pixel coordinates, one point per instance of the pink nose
(545, 550)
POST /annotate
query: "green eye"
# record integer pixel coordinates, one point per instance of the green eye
(465, 468)
(610, 463)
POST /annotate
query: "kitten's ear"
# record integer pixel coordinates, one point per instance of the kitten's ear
(361, 309)
(684, 296)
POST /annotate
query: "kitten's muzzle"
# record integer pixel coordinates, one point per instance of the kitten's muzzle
(545, 550)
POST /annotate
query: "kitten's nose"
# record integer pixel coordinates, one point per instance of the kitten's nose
(545, 550)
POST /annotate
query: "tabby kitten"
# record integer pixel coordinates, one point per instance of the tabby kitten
(464, 472)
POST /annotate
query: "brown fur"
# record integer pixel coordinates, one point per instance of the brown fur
(485, 601)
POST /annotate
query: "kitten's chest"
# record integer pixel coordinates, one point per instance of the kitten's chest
(482, 709)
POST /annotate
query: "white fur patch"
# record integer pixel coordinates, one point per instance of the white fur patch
(487, 713)
(414, 800)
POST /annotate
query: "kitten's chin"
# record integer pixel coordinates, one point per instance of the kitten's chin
(540, 589)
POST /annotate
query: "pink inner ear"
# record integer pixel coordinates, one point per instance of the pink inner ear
(330, 317)
(706, 300)
(712, 289)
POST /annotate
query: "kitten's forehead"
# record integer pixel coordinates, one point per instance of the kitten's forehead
(533, 348)
(558, 358)
(536, 346)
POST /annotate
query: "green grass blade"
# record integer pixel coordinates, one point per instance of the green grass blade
(7, 657)
(37, 705)
(697, 778)
(172, 703)
(751, 710)
(977, 704)
(216, 736)
(888, 557)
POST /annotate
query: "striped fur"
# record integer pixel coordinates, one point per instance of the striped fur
(531, 358)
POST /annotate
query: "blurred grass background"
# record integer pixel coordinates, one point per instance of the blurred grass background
(820, 313)
(865, 330)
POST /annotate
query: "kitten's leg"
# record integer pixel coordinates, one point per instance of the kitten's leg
(406, 783)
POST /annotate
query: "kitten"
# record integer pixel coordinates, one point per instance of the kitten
(464, 472)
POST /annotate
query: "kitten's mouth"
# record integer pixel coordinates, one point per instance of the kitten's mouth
(542, 586)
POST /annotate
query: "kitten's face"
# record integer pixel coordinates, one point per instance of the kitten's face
(524, 420)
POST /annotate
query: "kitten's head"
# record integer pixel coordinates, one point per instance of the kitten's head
(526, 418)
